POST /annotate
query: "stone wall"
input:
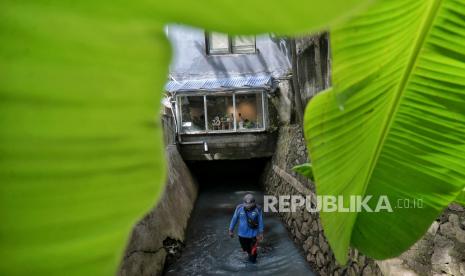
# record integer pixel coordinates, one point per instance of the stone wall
(305, 227)
(159, 236)
(441, 251)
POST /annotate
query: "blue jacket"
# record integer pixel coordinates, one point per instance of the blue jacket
(244, 230)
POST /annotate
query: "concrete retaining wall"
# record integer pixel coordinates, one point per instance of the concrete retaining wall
(160, 234)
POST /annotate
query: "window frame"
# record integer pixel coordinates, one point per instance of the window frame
(231, 51)
(222, 93)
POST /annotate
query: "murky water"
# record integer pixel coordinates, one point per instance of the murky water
(210, 251)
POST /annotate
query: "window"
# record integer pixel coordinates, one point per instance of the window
(192, 113)
(220, 112)
(226, 112)
(218, 43)
(249, 111)
(243, 44)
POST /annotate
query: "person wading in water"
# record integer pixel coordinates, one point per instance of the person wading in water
(250, 230)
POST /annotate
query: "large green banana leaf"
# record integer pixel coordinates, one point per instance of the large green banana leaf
(393, 124)
(259, 16)
(81, 156)
(461, 198)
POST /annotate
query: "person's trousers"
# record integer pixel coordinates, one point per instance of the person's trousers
(249, 245)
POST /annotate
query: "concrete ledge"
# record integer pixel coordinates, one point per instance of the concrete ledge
(229, 146)
(292, 181)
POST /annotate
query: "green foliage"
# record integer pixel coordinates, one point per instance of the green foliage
(305, 170)
(81, 155)
(461, 198)
(259, 16)
(393, 124)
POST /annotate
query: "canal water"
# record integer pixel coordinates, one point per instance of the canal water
(210, 251)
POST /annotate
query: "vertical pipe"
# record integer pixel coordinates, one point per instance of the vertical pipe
(174, 113)
(234, 111)
(205, 112)
(179, 113)
(263, 111)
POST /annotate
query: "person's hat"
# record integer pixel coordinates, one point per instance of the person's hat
(249, 201)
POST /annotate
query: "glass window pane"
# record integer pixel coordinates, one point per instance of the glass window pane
(218, 43)
(249, 111)
(192, 113)
(243, 44)
(220, 113)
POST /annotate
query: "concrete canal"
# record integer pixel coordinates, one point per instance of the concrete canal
(208, 248)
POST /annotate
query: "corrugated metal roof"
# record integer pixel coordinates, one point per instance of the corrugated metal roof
(194, 84)
(257, 81)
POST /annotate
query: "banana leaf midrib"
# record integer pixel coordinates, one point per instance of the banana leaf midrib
(425, 28)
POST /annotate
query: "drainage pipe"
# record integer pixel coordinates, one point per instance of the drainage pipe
(204, 143)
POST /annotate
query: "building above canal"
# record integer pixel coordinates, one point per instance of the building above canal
(220, 87)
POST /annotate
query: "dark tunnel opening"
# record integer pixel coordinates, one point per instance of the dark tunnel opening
(233, 174)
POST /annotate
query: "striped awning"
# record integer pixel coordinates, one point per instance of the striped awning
(259, 82)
